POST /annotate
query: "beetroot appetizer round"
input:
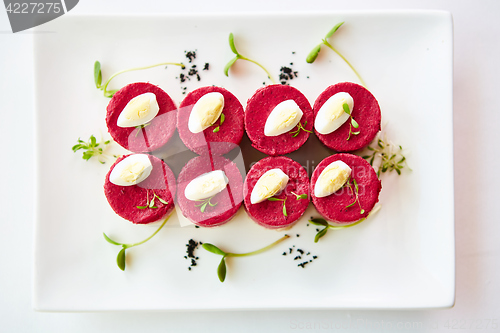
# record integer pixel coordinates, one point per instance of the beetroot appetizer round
(141, 117)
(210, 120)
(276, 192)
(347, 117)
(140, 188)
(210, 190)
(344, 188)
(278, 119)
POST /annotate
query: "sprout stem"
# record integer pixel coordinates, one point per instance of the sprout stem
(258, 251)
(346, 61)
(139, 68)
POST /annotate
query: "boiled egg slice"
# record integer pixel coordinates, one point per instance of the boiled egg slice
(284, 117)
(139, 111)
(332, 178)
(205, 112)
(206, 185)
(331, 115)
(131, 170)
(272, 182)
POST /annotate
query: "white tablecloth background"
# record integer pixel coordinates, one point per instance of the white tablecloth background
(477, 164)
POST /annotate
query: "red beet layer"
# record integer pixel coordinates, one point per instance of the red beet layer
(267, 213)
(230, 132)
(151, 137)
(125, 199)
(366, 112)
(228, 200)
(259, 108)
(333, 207)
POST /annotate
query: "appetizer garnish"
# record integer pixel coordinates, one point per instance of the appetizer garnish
(353, 122)
(386, 156)
(221, 270)
(239, 56)
(300, 127)
(323, 222)
(356, 195)
(120, 259)
(151, 204)
(314, 53)
(92, 148)
(110, 93)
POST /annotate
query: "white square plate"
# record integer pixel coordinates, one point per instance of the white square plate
(403, 257)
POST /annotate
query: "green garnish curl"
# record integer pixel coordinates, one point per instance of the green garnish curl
(299, 128)
(327, 226)
(120, 259)
(353, 123)
(355, 191)
(151, 204)
(239, 56)
(205, 202)
(92, 148)
(315, 51)
(323, 222)
(110, 93)
(390, 155)
(221, 269)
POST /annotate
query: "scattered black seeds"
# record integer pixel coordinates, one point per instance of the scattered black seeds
(303, 264)
(190, 55)
(183, 78)
(284, 254)
(308, 253)
(310, 261)
(291, 64)
(290, 250)
(286, 74)
(297, 258)
(293, 52)
(206, 66)
(191, 246)
(298, 235)
(300, 251)
(293, 245)
(308, 224)
(308, 77)
(317, 230)
(315, 257)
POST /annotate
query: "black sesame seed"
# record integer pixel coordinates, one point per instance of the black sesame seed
(300, 251)
(206, 66)
(315, 257)
(297, 258)
(284, 254)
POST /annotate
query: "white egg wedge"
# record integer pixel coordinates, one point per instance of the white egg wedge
(205, 112)
(139, 110)
(272, 182)
(331, 115)
(206, 185)
(331, 179)
(284, 117)
(131, 170)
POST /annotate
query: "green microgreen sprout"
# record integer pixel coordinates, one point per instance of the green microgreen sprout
(239, 56)
(222, 118)
(300, 196)
(120, 259)
(140, 127)
(323, 222)
(284, 206)
(205, 202)
(299, 128)
(315, 51)
(221, 269)
(92, 148)
(151, 204)
(110, 93)
(355, 191)
(353, 122)
(386, 156)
